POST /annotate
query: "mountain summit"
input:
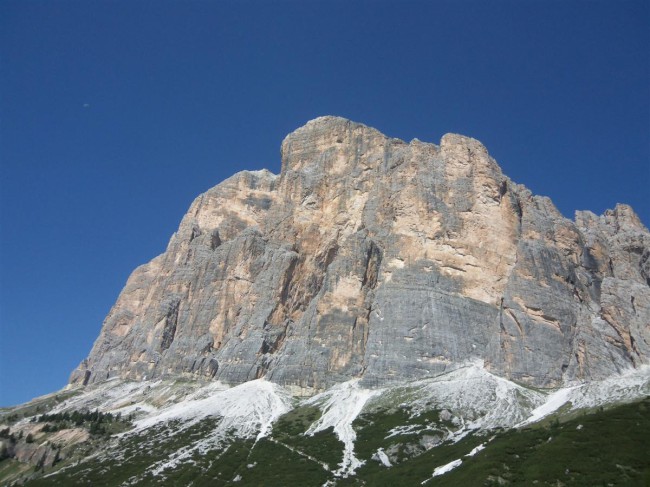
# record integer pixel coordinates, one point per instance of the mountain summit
(380, 312)
(372, 258)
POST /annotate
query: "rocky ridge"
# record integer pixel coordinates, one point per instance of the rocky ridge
(372, 258)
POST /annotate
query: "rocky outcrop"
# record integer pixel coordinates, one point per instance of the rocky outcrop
(375, 258)
(26, 450)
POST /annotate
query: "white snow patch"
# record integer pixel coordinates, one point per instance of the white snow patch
(382, 457)
(477, 399)
(407, 429)
(245, 411)
(249, 409)
(631, 384)
(476, 449)
(480, 400)
(111, 395)
(341, 405)
(553, 402)
(448, 467)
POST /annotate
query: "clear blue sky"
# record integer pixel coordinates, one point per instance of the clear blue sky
(114, 115)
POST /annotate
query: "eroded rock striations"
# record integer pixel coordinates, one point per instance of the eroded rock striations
(371, 257)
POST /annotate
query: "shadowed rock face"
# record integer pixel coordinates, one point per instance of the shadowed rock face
(371, 257)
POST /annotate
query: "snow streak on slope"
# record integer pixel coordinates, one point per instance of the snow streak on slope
(476, 398)
(480, 400)
(248, 409)
(630, 385)
(341, 405)
(245, 411)
(476, 449)
(112, 395)
(443, 469)
(553, 402)
(467, 399)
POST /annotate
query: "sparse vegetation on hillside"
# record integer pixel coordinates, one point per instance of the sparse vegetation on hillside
(96, 422)
(600, 447)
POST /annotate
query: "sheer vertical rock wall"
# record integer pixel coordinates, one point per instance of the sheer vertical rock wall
(371, 257)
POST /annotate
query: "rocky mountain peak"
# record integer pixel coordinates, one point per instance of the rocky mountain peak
(372, 258)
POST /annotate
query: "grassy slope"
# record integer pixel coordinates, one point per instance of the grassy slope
(611, 448)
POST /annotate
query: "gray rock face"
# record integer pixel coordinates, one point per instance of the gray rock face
(371, 257)
(38, 455)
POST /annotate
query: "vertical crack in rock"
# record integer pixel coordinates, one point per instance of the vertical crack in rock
(169, 329)
(373, 262)
(512, 315)
(288, 279)
(503, 189)
(215, 240)
(501, 313)
(644, 266)
(196, 231)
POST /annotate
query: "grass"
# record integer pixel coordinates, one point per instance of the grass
(611, 447)
(11, 470)
(129, 458)
(324, 445)
(373, 428)
(600, 448)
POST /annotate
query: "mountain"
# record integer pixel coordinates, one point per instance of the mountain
(380, 311)
(371, 258)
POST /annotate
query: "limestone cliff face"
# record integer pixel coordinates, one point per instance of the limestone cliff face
(371, 257)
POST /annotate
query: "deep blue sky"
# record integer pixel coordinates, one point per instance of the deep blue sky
(114, 115)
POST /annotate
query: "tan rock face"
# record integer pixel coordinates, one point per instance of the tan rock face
(370, 257)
